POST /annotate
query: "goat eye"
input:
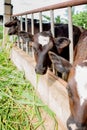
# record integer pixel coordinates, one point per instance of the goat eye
(40, 47)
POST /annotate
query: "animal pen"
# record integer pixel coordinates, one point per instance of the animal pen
(50, 87)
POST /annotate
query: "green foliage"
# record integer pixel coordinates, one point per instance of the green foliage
(47, 18)
(66, 11)
(65, 20)
(80, 19)
(1, 32)
(56, 20)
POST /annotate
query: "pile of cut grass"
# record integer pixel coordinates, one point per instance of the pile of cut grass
(20, 107)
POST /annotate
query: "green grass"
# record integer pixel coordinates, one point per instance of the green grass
(1, 32)
(20, 107)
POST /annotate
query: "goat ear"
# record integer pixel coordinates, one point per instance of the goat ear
(61, 43)
(60, 64)
(12, 22)
(8, 24)
(26, 35)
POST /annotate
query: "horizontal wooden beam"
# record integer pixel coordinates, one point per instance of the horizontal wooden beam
(55, 6)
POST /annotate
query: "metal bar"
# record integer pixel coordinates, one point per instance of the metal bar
(21, 24)
(70, 28)
(21, 28)
(18, 39)
(52, 21)
(32, 23)
(32, 30)
(55, 6)
(40, 18)
(26, 28)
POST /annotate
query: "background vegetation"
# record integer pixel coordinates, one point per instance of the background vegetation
(79, 18)
(1, 32)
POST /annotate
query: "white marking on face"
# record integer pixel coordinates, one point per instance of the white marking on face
(73, 126)
(81, 80)
(43, 40)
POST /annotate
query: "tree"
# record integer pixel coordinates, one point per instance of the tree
(47, 18)
(56, 20)
(80, 19)
(65, 20)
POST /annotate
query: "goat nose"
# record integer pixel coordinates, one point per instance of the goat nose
(35, 69)
(40, 70)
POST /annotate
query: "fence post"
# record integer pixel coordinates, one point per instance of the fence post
(26, 29)
(52, 21)
(70, 28)
(32, 30)
(40, 18)
(21, 29)
(8, 11)
(32, 23)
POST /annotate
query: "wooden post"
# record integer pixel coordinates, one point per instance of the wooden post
(8, 11)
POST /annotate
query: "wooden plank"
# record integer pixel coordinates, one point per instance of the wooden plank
(60, 5)
(50, 88)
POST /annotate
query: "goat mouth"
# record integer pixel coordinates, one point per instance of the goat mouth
(41, 71)
(11, 32)
(72, 125)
